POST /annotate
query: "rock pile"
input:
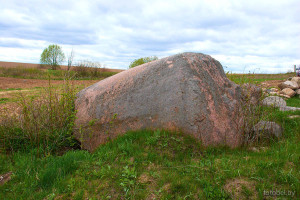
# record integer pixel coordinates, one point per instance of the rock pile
(290, 88)
(278, 102)
(287, 89)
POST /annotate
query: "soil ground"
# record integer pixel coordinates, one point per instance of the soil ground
(11, 87)
(7, 83)
(271, 83)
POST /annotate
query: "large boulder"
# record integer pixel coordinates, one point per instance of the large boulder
(296, 79)
(288, 84)
(274, 101)
(289, 92)
(188, 92)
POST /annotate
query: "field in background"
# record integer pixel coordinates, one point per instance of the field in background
(259, 78)
(39, 66)
(139, 165)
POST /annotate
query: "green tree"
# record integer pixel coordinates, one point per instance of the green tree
(53, 56)
(141, 61)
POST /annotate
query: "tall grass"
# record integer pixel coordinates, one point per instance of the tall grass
(44, 123)
(252, 111)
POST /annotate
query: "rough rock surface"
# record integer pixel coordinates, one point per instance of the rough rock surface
(188, 92)
(288, 84)
(267, 129)
(289, 92)
(274, 101)
(297, 80)
(298, 91)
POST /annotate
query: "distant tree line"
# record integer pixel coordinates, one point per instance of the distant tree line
(54, 56)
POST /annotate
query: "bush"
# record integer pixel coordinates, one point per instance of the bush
(90, 70)
(45, 123)
(141, 61)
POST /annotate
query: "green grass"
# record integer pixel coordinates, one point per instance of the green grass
(294, 102)
(256, 78)
(10, 89)
(4, 100)
(161, 164)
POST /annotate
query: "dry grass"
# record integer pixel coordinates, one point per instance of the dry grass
(241, 188)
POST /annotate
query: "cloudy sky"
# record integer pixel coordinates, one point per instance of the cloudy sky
(259, 36)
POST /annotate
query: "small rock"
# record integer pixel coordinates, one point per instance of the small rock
(294, 116)
(267, 128)
(289, 92)
(298, 91)
(254, 149)
(274, 101)
(5, 178)
(274, 90)
(288, 84)
(288, 108)
(257, 149)
(296, 79)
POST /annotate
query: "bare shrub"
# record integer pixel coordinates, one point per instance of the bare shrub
(45, 123)
(252, 112)
(88, 69)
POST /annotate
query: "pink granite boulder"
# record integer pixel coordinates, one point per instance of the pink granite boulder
(187, 92)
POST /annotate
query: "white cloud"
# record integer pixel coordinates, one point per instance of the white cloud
(253, 34)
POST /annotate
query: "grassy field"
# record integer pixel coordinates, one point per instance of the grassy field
(257, 78)
(143, 164)
(77, 73)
